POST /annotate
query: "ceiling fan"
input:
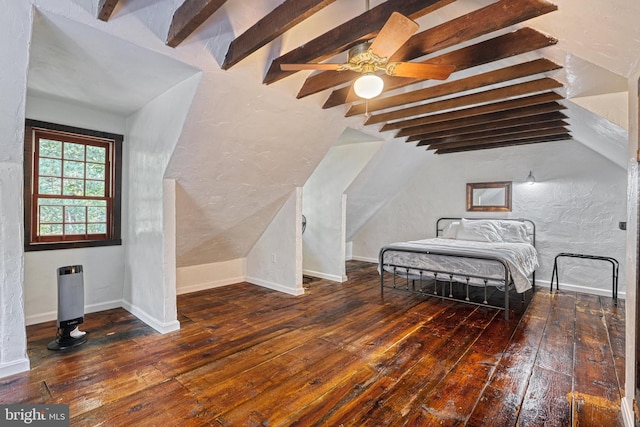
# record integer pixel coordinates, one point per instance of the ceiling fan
(369, 58)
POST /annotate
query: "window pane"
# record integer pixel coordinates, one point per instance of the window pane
(75, 214)
(73, 169)
(49, 186)
(50, 229)
(70, 189)
(97, 228)
(73, 151)
(49, 148)
(73, 187)
(97, 214)
(49, 213)
(96, 154)
(95, 188)
(73, 202)
(49, 167)
(95, 171)
(75, 229)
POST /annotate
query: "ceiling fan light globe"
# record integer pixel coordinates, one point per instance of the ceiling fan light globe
(368, 86)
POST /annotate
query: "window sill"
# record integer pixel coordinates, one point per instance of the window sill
(48, 246)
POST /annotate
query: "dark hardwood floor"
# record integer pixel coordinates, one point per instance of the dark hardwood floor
(338, 355)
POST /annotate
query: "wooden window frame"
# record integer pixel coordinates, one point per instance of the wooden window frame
(113, 194)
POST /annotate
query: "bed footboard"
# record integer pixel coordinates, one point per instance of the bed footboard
(440, 284)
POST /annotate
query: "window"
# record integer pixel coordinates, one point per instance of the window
(72, 187)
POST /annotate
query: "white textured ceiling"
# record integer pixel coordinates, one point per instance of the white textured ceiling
(246, 146)
(75, 62)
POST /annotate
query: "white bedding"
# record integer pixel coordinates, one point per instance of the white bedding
(521, 258)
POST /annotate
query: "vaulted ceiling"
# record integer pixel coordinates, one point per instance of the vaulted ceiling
(243, 145)
(509, 105)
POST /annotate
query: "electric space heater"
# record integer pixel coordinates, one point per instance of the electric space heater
(70, 308)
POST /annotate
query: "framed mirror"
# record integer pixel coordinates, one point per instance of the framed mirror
(489, 196)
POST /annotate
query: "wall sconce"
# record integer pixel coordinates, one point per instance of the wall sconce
(530, 179)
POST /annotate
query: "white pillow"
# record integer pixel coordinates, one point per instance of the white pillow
(450, 230)
(514, 232)
(479, 231)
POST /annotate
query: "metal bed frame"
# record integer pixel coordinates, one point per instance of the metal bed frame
(410, 284)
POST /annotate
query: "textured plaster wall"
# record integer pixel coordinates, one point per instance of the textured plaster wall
(14, 44)
(576, 204)
(102, 275)
(242, 152)
(206, 276)
(151, 137)
(275, 261)
(103, 266)
(324, 206)
(72, 114)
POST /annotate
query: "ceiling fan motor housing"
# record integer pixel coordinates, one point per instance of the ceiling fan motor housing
(363, 60)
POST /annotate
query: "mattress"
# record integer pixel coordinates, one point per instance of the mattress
(521, 259)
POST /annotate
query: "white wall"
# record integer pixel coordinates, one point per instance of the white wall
(14, 45)
(324, 206)
(275, 261)
(152, 134)
(576, 204)
(103, 266)
(213, 275)
(70, 114)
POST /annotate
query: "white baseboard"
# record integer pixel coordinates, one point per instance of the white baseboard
(582, 289)
(162, 327)
(209, 285)
(320, 275)
(627, 413)
(53, 315)
(275, 286)
(15, 367)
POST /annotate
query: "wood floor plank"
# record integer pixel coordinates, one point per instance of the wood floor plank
(614, 318)
(548, 400)
(138, 409)
(556, 348)
(341, 354)
(408, 394)
(297, 391)
(595, 371)
(453, 400)
(502, 398)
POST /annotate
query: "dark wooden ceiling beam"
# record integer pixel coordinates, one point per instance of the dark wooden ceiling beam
(188, 17)
(284, 17)
(360, 28)
(497, 138)
(527, 141)
(490, 126)
(514, 131)
(482, 119)
(474, 111)
(517, 71)
(501, 47)
(105, 9)
(519, 89)
(495, 16)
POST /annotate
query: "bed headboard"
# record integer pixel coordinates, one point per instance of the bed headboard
(442, 223)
